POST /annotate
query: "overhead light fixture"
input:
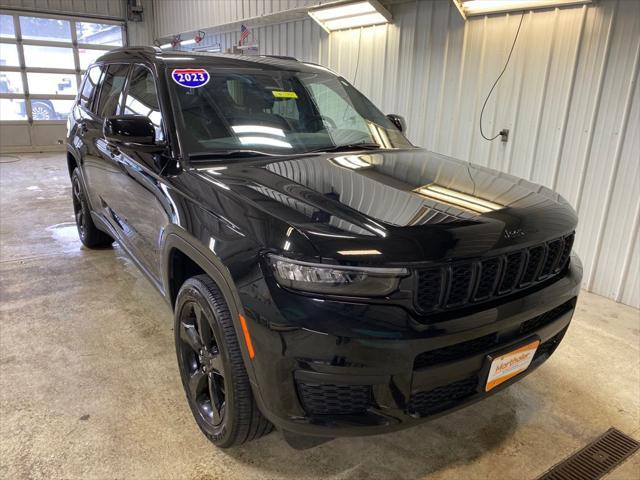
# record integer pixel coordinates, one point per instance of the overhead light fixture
(457, 199)
(470, 8)
(165, 46)
(346, 15)
(191, 41)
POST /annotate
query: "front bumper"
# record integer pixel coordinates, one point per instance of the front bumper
(374, 372)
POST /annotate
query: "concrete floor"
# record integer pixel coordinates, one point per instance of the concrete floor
(89, 386)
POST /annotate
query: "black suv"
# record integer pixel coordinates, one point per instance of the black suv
(327, 277)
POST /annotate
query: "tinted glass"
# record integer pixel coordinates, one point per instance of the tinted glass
(6, 26)
(9, 55)
(111, 90)
(52, 83)
(278, 111)
(11, 82)
(89, 86)
(35, 28)
(12, 109)
(50, 109)
(99, 33)
(142, 98)
(48, 57)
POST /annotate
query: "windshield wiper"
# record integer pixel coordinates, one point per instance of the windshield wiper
(346, 147)
(228, 154)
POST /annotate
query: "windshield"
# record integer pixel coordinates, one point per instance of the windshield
(279, 112)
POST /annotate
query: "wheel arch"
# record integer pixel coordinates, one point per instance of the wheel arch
(181, 245)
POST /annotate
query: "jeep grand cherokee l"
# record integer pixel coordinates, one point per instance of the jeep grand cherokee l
(327, 277)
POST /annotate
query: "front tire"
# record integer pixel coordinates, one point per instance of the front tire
(212, 370)
(89, 234)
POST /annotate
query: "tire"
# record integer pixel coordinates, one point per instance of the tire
(89, 234)
(42, 111)
(212, 370)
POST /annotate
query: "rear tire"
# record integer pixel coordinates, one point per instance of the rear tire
(212, 370)
(89, 234)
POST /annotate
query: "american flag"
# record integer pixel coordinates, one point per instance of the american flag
(244, 34)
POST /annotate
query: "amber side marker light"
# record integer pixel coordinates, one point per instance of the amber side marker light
(247, 337)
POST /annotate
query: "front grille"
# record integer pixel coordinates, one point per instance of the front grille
(489, 342)
(448, 396)
(442, 398)
(457, 285)
(328, 399)
(455, 352)
(541, 320)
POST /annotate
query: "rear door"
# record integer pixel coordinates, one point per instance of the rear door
(104, 169)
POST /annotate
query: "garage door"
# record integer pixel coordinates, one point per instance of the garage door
(42, 59)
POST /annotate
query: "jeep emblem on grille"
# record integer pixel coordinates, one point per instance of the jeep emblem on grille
(515, 233)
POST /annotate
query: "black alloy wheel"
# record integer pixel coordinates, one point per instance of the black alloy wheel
(89, 234)
(202, 362)
(212, 368)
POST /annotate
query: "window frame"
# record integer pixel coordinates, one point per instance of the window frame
(132, 66)
(74, 45)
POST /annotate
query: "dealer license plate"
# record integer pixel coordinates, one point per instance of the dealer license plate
(510, 364)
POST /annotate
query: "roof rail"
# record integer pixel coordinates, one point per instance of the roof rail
(282, 57)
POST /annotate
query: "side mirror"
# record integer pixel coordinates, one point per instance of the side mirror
(129, 130)
(398, 121)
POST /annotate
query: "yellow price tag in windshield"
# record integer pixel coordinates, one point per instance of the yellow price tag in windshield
(283, 94)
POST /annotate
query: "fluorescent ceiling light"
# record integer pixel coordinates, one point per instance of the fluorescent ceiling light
(165, 46)
(258, 129)
(264, 141)
(188, 42)
(469, 8)
(350, 15)
(457, 199)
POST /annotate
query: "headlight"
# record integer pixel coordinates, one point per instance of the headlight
(336, 279)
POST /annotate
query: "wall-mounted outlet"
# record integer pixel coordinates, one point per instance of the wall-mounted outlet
(504, 134)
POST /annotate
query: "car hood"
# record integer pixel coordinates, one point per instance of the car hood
(396, 206)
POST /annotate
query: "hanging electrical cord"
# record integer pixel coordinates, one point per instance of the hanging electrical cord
(355, 75)
(515, 39)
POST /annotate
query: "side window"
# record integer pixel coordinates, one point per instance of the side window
(337, 108)
(142, 98)
(89, 86)
(111, 90)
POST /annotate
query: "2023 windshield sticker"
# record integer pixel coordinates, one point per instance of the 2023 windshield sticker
(190, 77)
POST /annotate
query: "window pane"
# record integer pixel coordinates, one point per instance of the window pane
(89, 86)
(9, 55)
(142, 99)
(34, 28)
(6, 27)
(52, 83)
(111, 90)
(99, 33)
(88, 56)
(48, 57)
(11, 82)
(12, 109)
(50, 109)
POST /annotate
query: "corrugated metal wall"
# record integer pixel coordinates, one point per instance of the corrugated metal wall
(177, 16)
